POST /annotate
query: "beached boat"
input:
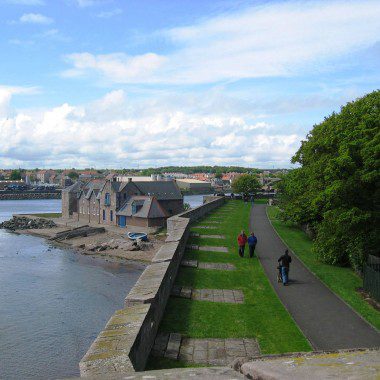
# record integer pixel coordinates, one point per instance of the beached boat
(137, 235)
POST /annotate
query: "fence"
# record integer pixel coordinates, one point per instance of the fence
(371, 278)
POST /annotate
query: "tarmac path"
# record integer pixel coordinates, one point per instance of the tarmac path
(326, 321)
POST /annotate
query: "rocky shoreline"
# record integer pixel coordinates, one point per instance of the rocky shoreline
(24, 223)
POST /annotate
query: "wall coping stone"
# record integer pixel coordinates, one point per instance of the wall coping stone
(148, 284)
(166, 252)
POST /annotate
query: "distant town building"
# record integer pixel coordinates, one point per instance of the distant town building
(44, 175)
(194, 185)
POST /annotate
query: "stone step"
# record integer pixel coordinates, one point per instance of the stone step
(206, 227)
(210, 266)
(211, 295)
(218, 295)
(207, 248)
(211, 351)
(189, 263)
(211, 236)
(172, 349)
(216, 266)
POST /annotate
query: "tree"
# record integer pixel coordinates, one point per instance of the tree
(336, 190)
(73, 175)
(15, 175)
(246, 184)
(219, 175)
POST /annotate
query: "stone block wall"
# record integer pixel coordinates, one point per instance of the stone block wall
(116, 351)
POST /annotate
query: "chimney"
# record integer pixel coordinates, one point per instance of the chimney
(129, 179)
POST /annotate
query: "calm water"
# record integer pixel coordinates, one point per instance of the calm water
(53, 302)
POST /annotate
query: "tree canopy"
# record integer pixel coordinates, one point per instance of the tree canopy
(336, 189)
(15, 175)
(246, 184)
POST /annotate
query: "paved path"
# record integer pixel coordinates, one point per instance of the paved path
(326, 321)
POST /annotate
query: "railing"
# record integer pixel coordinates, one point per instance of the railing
(371, 277)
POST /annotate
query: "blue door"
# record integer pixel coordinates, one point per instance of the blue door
(122, 221)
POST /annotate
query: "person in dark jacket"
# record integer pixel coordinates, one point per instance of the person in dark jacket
(252, 241)
(242, 241)
(285, 261)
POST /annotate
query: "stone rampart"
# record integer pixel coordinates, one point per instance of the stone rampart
(7, 196)
(128, 338)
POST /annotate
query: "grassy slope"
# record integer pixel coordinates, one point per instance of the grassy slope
(342, 281)
(262, 315)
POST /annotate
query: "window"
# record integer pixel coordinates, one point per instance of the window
(107, 200)
(111, 215)
(125, 196)
(104, 214)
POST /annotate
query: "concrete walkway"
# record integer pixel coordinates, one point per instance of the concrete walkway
(327, 322)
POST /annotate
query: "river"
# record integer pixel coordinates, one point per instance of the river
(53, 302)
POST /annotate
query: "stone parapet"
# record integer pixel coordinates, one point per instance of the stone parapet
(128, 338)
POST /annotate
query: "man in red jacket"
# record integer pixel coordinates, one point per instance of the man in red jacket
(242, 240)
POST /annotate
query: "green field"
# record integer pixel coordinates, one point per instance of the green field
(342, 281)
(262, 315)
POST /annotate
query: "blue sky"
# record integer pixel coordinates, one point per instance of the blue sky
(107, 83)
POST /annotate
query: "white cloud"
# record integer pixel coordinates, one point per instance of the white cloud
(276, 39)
(116, 67)
(109, 14)
(35, 18)
(116, 132)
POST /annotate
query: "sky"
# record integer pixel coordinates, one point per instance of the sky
(148, 83)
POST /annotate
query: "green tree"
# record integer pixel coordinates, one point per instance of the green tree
(15, 175)
(73, 175)
(336, 188)
(246, 184)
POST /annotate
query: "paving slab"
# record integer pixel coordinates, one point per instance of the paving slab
(341, 365)
(206, 227)
(216, 266)
(189, 263)
(210, 248)
(210, 236)
(218, 295)
(204, 373)
(327, 321)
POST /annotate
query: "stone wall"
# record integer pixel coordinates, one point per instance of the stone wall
(129, 335)
(29, 195)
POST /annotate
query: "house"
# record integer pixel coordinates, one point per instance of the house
(142, 211)
(44, 175)
(111, 202)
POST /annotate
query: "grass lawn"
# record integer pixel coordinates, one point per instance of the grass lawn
(262, 316)
(49, 215)
(342, 281)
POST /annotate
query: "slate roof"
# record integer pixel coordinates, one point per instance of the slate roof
(75, 188)
(161, 190)
(150, 207)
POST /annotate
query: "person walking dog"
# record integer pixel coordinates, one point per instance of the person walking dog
(242, 241)
(285, 261)
(252, 241)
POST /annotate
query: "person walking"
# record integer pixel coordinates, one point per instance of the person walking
(252, 241)
(242, 241)
(285, 261)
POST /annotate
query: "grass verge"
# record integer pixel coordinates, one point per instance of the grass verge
(262, 316)
(48, 215)
(342, 281)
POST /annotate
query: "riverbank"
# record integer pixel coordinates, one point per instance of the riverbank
(113, 244)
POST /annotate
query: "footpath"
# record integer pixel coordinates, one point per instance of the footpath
(326, 321)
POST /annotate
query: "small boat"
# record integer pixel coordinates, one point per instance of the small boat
(137, 235)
